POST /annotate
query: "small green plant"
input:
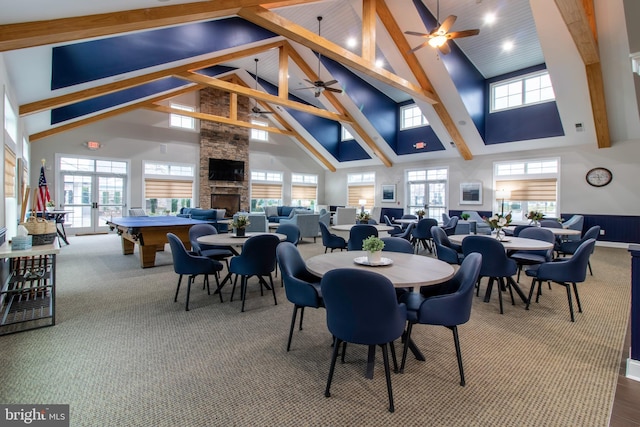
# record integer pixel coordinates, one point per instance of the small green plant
(372, 244)
(535, 216)
(465, 216)
(241, 221)
(420, 212)
(363, 216)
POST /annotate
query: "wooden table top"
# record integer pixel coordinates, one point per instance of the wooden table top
(509, 242)
(555, 231)
(406, 271)
(347, 227)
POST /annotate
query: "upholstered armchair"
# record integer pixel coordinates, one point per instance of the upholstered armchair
(307, 223)
(257, 222)
(481, 226)
(344, 216)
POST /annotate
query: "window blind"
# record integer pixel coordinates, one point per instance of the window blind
(266, 191)
(9, 173)
(531, 190)
(167, 189)
(359, 192)
(303, 192)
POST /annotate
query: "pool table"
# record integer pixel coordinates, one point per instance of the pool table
(150, 233)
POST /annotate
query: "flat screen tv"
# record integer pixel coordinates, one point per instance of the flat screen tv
(226, 170)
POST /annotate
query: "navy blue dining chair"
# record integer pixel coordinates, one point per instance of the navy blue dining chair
(406, 234)
(449, 307)
(358, 233)
(397, 244)
(450, 226)
(362, 309)
(533, 257)
(258, 258)
(421, 234)
(192, 265)
(301, 287)
(495, 265)
(330, 240)
(567, 273)
(445, 250)
(570, 247)
(292, 232)
(396, 228)
(219, 253)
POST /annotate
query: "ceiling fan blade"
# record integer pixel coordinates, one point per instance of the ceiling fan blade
(307, 80)
(465, 33)
(420, 46)
(445, 49)
(329, 83)
(331, 89)
(413, 33)
(447, 24)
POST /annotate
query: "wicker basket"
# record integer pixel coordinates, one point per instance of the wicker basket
(43, 239)
(36, 225)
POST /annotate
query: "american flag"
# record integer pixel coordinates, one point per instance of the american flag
(43, 192)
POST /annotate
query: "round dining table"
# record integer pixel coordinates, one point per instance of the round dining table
(403, 270)
(231, 240)
(348, 227)
(509, 242)
(555, 231)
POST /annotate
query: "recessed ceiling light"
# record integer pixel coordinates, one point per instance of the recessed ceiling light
(352, 42)
(489, 18)
(507, 46)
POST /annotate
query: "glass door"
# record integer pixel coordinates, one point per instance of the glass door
(93, 192)
(427, 190)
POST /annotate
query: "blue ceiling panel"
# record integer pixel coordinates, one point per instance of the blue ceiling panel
(409, 141)
(380, 110)
(216, 70)
(82, 62)
(467, 79)
(114, 99)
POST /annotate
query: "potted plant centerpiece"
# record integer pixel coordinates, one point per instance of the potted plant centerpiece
(420, 213)
(373, 245)
(535, 217)
(465, 216)
(498, 222)
(363, 218)
(240, 224)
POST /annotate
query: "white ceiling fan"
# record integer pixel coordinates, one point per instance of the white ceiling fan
(320, 86)
(439, 36)
(256, 112)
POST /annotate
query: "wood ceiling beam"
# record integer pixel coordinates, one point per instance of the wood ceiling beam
(94, 92)
(333, 100)
(262, 96)
(579, 17)
(369, 30)
(38, 33)
(111, 113)
(216, 119)
(411, 59)
(279, 25)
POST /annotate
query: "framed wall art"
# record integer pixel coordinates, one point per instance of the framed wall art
(471, 193)
(388, 193)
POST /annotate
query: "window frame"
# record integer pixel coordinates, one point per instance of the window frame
(259, 134)
(181, 118)
(403, 118)
(522, 79)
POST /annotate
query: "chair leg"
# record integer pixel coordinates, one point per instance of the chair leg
(243, 290)
(393, 357)
(387, 374)
(218, 289)
(189, 280)
(178, 288)
(575, 291)
(519, 271)
(589, 265)
(456, 341)
(273, 290)
(344, 351)
(301, 317)
(293, 322)
(510, 286)
(406, 346)
(206, 281)
(500, 285)
(533, 286)
(566, 285)
(233, 290)
(334, 357)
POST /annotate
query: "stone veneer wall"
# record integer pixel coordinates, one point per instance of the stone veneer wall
(221, 141)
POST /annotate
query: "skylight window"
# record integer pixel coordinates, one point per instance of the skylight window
(525, 90)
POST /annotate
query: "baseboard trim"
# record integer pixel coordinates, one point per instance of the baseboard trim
(633, 369)
(91, 234)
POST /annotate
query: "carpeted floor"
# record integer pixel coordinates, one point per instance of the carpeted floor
(124, 354)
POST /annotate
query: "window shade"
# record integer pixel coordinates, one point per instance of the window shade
(9, 173)
(531, 190)
(167, 189)
(266, 191)
(358, 192)
(303, 192)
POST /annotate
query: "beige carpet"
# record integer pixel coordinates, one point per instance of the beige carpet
(124, 354)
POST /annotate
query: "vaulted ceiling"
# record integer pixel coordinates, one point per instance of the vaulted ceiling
(74, 64)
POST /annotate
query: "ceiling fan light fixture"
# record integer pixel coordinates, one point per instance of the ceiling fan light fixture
(437, 41)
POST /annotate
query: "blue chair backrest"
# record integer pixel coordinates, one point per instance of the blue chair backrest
(258, 254)
(292, 232)
(185, 263)
(542, 234)
(409, 216)
(406, 234)
(297, 279)
(550, 223)
(358, 233)
(454, 308)
(199, 230)
(422, 229)
(519, 228)
(397, 244)
(495, 262)
(574, 269)
(362, 306)
(444, 251)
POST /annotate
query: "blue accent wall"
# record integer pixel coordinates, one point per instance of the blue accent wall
(82, 62)
(380, 110)
(113, 99)
(518, 124)
(407, 138)
(467, 79)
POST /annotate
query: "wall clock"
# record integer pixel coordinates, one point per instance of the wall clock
(599, 177)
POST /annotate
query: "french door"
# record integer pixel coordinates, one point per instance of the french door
(427, 190)
(91, 196)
